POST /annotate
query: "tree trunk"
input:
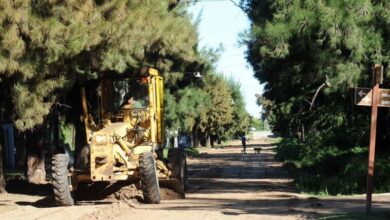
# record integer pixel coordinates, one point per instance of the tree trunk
(207, 139)
(21, 154)
(2, 181)
(176, 139)
(195, 138)
(36, 168)
(167, 139)
(212, 139)
(36, 160)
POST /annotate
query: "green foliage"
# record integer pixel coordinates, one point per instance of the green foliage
(259, 124)
(192, 152)
(45, 46)
(205, 107)
(187, 109)
(331, 170)
(221, 109)
(289, 150)
(241, 120)
(171, 119)
(296, 48)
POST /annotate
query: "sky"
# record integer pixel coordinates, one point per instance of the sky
(221, 22)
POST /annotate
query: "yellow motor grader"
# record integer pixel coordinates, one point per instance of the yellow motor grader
(127, 144)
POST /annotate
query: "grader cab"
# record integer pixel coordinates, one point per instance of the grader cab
(126, 143)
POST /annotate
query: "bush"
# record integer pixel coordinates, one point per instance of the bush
(321, 169)
(289, 150)
(192, 152)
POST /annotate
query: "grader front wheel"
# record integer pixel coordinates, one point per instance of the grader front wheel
(149, 179)
(61, 180)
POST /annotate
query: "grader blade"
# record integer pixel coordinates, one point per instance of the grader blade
(174, 185)
(175, 170)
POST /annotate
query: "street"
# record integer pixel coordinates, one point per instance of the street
(223, 184)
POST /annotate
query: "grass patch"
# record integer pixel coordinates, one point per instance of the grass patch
(219, 146)
(276, 140)
(321, 169)
(192, 152)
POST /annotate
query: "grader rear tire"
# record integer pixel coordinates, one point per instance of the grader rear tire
(178, 165)
(149, 178)
(61, 181)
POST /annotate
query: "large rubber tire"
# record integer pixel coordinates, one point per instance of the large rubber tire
(177, 163)
(149, 178)
(61, 181)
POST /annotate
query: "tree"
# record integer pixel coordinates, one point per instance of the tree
(241, 120)
(221, 111)
(4, 111)
(47, 46)
(186, 110)
(294, 46)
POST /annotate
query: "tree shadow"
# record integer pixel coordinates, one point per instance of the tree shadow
(235, 173)
(311, 207)
(97, 193)
(215, 185)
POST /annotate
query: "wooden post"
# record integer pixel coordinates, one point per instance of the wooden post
(374, 115)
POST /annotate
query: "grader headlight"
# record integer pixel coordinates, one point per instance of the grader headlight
(101, 140)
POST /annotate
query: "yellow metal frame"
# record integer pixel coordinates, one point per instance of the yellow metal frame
(160, 109)
(122, 150)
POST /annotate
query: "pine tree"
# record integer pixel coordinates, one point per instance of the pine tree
(295, 46)
(241, 120)
(48, 45)
(221, 111)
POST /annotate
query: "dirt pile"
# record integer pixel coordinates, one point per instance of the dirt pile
(129, 192)
(109, 191)
(169, 194)
(120, 191)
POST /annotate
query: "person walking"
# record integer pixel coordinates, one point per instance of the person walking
(244, 140)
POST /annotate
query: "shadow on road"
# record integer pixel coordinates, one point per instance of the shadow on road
(310, 208)
(46, 202)
(19, 186)
(226, 181)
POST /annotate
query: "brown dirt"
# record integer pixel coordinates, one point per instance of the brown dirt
(129, 192)
(169, 194)
(223, 184)
(109, 192)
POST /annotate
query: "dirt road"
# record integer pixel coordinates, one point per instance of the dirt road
(223, 184)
